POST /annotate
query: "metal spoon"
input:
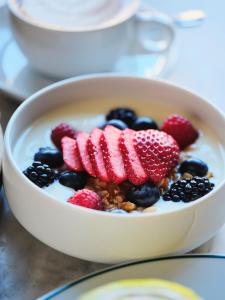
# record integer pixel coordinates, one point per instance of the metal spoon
(185, 19)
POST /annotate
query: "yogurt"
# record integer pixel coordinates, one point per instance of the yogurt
(207, 148)
(71, 14)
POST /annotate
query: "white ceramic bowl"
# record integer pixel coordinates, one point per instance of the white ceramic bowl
(100, 236)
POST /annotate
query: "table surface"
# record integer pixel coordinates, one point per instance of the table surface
(29, 268)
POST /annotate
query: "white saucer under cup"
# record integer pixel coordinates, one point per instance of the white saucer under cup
(19, 80)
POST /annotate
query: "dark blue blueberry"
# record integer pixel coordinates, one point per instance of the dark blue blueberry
(126, 115)
(194, 166)
(143, 123)
(50, 156)
(74, 180)
(116, 123)
(143, 195)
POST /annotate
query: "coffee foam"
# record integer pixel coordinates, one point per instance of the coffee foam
(74, 14)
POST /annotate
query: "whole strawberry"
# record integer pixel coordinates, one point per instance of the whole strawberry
(158, 153)
(60, 131)
(181, 130)
(87, 198)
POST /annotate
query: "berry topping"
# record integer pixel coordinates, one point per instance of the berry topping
(144, 123)
(49, 156)
(187, 190)
(181, 130)
(133, 167)
(74, 180)
(96, 155)
(126, 115)
(144, 195)
(194, 166)
(157, 151)
(112, 155)
(40, 174)
(86, 198)
(70, 154)
(116, 123)
(82, 144)
(60, 131)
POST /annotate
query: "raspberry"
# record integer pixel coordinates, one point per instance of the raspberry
(181, 130)
(86, 198)
(157, 151)
(134, 169)
(70, 154)
(96, 155)
(60, 131)
(112, 154)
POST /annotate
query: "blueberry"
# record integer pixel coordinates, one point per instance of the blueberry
(194, 166)
(143, 195)
(50, 156)
(116, 123)
(143, 123)
(126, 115)
(74, 180)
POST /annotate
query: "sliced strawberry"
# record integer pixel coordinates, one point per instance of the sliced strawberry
(70, 154)
(133, 167)
(82, 141)
(112, 155)
(157, 151)
(96, 155)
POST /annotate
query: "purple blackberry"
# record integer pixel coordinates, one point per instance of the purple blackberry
(188, 190)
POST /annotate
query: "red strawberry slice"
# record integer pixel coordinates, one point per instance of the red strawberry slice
(133, 167)
(96, 155)
(157, 151)
(181, 130)
(70, 154)
(82, 140)
(112, 155)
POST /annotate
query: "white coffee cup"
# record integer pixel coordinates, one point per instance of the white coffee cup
(63, 52)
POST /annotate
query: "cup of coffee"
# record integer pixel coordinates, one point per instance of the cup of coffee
(67, 38)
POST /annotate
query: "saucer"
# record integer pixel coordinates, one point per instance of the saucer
(202, 273)
(20, 81)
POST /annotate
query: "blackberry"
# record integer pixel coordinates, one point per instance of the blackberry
(188, 190)
(143, 195)
(126, 115)
(40, 174)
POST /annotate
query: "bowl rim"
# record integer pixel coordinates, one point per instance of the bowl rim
(60, 84)
(114, 21)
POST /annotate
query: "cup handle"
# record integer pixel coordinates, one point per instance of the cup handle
(154, 30)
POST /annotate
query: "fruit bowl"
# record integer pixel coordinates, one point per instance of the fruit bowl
(99, 236)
